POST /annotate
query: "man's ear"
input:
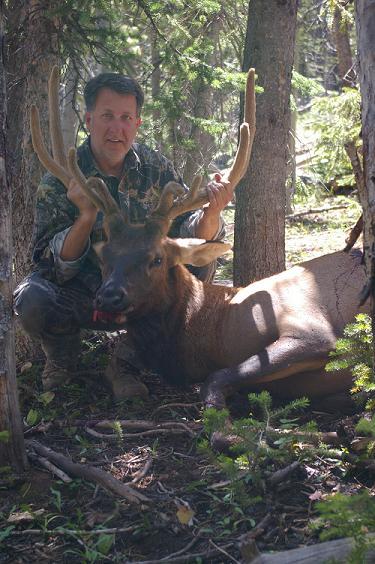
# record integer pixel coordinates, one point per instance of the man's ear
(88, 120)
(196, 252)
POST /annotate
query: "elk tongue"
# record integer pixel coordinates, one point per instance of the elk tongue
(104, 316)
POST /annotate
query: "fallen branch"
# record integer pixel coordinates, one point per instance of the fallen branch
(196, 405)
(143, 425)
(328, 438)
(330, 551)
(80, 532)
(316, 210)
(204, 556)
(116, 436)
(89, 473)
(51, 467)
(354, 234)
(142, 473)
(283, 474)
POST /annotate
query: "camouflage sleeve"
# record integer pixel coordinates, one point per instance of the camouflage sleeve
(53, 214)
(65, 269)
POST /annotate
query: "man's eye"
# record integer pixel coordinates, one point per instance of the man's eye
(126, 118)
(107, 116)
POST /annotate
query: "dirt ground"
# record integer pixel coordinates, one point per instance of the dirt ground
(193, 512)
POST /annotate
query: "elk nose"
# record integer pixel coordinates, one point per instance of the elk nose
(111, 299)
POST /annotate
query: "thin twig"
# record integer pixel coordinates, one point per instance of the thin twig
(90, 473)
(142, 473)
(224, 552)
(51, 467)
(185, 558)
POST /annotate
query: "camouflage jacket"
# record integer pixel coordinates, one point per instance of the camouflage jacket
(145, 173)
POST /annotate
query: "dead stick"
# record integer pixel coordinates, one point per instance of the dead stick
(281, 475)
(185, 558)
(142, 473)
(354, 234)
(62, 532)
(317, 210)
(96, 475)
(51, 467)
(116, 436)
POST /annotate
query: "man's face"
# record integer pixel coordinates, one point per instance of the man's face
(113, 124)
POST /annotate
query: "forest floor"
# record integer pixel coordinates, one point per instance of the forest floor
(199, 508)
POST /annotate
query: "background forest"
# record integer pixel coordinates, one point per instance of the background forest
(191, 59)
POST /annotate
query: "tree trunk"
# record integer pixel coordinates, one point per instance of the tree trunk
(260, 212)
(12, 448)
(69, 121)
(32, 53)
(32, 48)
(365, 18)
(342, 43)
(155, 89)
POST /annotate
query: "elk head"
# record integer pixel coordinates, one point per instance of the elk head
(137, 260)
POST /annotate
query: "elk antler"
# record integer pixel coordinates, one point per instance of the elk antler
(171, 205)
(66, 169)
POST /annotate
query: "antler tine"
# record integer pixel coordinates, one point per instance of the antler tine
(193, 200)
(39, 147)
(171, 206)
(94, 188)
(57, 140)
(247, 133)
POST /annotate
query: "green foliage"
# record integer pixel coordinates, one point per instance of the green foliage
(366, 426)
(354, 352)
(262, 442)
(351, 516)
(336, 120)
(305, 86)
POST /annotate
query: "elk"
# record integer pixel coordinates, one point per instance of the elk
(274, 334)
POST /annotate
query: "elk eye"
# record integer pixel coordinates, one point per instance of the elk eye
(157, 261)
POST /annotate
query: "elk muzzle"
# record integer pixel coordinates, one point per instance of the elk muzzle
(112, 298)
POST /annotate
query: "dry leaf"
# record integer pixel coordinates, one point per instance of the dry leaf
(22, 516)
(26, 366)
(316, 495)
(185, 515)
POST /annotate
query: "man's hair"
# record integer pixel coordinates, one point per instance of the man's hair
(120, 83)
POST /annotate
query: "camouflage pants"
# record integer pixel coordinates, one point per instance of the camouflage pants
(44, 308)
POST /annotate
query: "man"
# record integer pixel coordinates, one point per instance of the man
(56, 301)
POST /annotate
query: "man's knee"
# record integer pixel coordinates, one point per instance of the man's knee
(32, 298)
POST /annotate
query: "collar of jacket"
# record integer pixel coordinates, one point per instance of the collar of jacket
(89, 167)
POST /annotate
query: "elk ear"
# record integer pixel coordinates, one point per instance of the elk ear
(198, 252)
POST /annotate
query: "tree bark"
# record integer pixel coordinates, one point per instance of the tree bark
(69, 120)
(342, 43)
(365, 19)
(12, 448)
(259, 248)
(32, 54)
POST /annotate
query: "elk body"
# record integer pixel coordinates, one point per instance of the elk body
(274, 334)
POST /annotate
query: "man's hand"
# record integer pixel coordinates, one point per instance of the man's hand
(77, 196)
(78, 236)
(220, 193)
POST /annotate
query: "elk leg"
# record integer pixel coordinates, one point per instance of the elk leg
(283, 358)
